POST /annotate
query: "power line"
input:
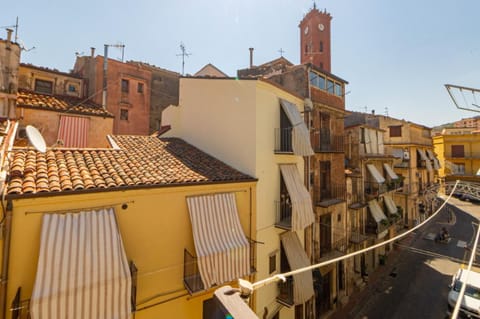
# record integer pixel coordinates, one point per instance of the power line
(250, 287)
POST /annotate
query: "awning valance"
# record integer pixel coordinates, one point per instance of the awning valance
(376, 211)
(436, 163)
(302, 209)
(73, 131)
(297, 258)
(424, 157)
(391, 206)
(82, 268)
(390, 171)
(222, 249)
(377, 176)
(300, 136)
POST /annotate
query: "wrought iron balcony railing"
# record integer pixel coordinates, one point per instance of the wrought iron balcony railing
(324, 141)
(333, 192)
(285, 292)
(283, 140)
(283, 213)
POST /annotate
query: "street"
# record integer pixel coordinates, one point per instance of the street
(414, 282)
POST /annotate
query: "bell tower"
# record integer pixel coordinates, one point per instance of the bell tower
(315, 39)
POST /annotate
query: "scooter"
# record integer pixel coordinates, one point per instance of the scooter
(445, 239)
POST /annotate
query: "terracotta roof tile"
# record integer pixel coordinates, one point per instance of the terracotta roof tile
(140, 161)
(59, 103)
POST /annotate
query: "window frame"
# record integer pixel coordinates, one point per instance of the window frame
(125, 86)
(43, 86)
(122, 114)
(395, 130)
(140, 87)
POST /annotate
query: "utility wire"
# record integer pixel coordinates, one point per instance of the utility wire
(283, 276)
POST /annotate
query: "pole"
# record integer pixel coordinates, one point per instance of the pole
(104, 94)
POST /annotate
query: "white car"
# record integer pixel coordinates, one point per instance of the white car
(470, 306)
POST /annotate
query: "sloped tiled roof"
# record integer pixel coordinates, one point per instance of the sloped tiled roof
(57, 103)
(140, 161)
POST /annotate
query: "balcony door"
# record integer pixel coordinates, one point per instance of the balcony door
(325, 180)
(324, 131)
(285, 132)
(325, 234)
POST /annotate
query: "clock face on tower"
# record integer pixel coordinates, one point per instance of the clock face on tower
(306, 29)
(321, 27)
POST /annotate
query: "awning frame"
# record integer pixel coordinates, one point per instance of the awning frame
(301, 143)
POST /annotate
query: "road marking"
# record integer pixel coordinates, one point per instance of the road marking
(461, 244)
(430, 236)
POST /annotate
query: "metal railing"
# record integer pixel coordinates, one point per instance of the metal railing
(283, 214)
(283, 140)
(409, 188)
(191, 274)
(324, 141)
(377, 228)
(357, 198)
(334, 191)
(340, 245)
(374, 189)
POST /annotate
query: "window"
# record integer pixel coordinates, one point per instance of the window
(338, 89)
(125, 85)
(42, 86)
(459, 168)
(72, 88)
(272, 263)
(395, 131)
(330, 88)
(362, 135)
(321, 46)
(124, 114)
(458, 151)
(140, 88)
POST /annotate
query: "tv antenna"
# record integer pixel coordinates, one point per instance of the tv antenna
(183, 55)
(281, 51)
(15, 26)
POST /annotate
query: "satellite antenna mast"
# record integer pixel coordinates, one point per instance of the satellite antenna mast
(15, 26)
(281, 51)
(183, 54)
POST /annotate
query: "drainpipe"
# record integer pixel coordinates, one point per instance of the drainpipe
(104, 94)
(7, 228)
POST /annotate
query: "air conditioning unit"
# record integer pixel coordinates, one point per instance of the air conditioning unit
(406, 155)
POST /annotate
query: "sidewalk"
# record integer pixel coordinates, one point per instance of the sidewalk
(376, 281)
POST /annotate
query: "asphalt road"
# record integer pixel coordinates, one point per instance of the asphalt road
(414, 282)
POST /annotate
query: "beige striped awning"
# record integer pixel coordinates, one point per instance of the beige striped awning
(391, 206)
(73, 131)
(300, 136)
(377, 176)
(297, 258)
(436, 163)
(375, 210)
(222, 249)
(302, 209)
(390, 171)
(82, 269)
(424, 157)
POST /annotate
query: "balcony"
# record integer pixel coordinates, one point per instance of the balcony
(407, 189)
(325, 142)
(337, 248)
(334, 194)
(357, 201)
(283, 140)
(283, 215)
(374, 189)
(377, 228)
(285, 292)
(191, 274)
(356, 236)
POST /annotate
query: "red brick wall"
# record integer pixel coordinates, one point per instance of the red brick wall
(313, 37)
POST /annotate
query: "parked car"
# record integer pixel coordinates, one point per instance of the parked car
(470, 306)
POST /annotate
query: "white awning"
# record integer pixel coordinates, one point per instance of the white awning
(376, 211)
(381, 146)
(302, 208)
(222, 249)
(424, 157)
(373, 140)
(377, 176)
(390, 171)
(297, 258)
(436, 163)
(391, 206)
(82, 269)
(300, 135)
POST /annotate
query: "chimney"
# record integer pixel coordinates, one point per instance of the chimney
(92, 52)
(251, 57)
(9, 35)
(373, 112)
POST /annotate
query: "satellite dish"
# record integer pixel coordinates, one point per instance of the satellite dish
(36, 139)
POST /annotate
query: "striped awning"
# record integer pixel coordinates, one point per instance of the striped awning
(377, 176)
(82, 268)
(297, 258)
(300, 136)
(222, 249)
(375, 210)
(73, 131)
(391, 206)
(390, 171)
(424, 157)
(302, 209)
(436, 163)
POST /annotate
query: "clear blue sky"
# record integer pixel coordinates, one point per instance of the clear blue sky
(395, 54)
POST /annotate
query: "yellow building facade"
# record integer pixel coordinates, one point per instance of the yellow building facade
(151, 191)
